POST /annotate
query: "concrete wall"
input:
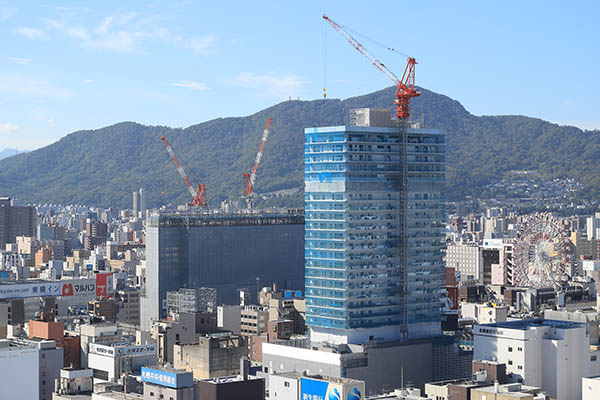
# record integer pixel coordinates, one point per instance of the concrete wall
(19, 371)
(279, 390)
(590, 388)
(153, 392)
(389, 366)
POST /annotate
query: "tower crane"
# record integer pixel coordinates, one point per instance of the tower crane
(198, 193)
(405, 90)
(405, 87)
(250, 178)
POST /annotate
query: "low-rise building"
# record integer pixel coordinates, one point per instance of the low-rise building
(110, 361)
(73, 383)
(590, 388)
(213, 356)
(167, 383)
(29, 367)
(548, 354)
(507, 392)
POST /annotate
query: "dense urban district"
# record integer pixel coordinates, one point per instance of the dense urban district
(364, 251)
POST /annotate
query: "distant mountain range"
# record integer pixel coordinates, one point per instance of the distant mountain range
(102, 167)
(10, 152)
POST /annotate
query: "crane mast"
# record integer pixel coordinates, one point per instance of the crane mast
(198, 193)
(405, 90)
(250, 178)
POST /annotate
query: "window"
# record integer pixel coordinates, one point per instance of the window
(519, 367)
(509, 362)
(152, 394)
(286, 384)
(519, 348)
(593, 358)
(509, 349)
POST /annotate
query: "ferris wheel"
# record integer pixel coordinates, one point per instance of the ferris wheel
(542, 252)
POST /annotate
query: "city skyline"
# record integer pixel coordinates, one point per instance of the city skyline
(68, 68)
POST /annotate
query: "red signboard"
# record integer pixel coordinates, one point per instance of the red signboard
(105, 285)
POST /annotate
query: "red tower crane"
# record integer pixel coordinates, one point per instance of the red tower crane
(250, 178)
(405, 86)
(198, 193)
(404, 92)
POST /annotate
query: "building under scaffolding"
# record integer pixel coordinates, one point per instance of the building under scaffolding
(221, 251)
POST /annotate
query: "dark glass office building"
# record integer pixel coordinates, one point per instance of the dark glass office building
(223, 251)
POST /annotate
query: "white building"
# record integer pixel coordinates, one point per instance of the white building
(29, 368)
(109, 362)
(590, 388)
(552, 355)
(467, 259)
(592, 226)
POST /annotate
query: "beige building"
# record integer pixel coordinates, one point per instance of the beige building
(213, 356)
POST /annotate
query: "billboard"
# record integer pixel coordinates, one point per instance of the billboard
(318, 389)
(123, 350)
(173, 379)
(67, 288)
(105, 285)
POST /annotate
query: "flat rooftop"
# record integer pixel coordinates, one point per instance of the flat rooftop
(524, 324)
(219, 219)
(229, 379)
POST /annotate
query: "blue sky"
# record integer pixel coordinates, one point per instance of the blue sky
(66, 66)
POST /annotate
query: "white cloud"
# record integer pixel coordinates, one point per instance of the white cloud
(7, 12)
(30, 33)
(271, 84)
(89, 81)
(191, 85)
(202, 45)
(32, 88)
(9, 128)
(126, 33)
(20, 60)
(42, 117)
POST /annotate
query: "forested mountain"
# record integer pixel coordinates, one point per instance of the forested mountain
(102, 167)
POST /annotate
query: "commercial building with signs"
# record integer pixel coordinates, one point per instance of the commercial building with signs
(167, 383)
(357, 287)
(222, 251)
(109, 362)
(319, 387)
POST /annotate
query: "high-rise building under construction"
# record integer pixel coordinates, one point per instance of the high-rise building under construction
(357, 285)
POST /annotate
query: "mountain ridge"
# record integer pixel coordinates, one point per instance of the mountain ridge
(103, 166)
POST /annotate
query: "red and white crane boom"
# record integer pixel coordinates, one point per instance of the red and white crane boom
(250, 178)
(198, 193)
(405, 86)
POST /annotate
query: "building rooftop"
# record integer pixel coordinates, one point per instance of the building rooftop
(524, 324)
(222, 219)
(228, 379)
(118, 396)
